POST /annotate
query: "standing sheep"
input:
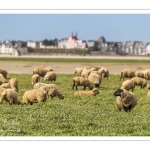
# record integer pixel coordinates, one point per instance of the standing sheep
(80, 81)
(77, 71)
(13, 84)
(2, 79)
(147, 74)
(34, 96)
(93, 92)
(4, 73)
(10, 96)
(127, 73)
(128, 84)
(50, 76)
(35, 79)
(125, 100)
(138, 81)
(56, 91)
(105, 72)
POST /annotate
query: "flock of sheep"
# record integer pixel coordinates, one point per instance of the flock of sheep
(87, 77)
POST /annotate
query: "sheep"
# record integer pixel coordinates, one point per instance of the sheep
(125, 100)
(128, 84)
(50, 76)
(10, 96)
(105, 72)
(80, 81)
(4, 73)
(138, 81)
(34, 96)
(93, 92)
(95, 79)
(35, 79)
(13, 84)
(56, 92)
(139, 74)
(85, 72)
(41, 70)
(5, 85)
(92, 68)
(77, 71)
(2, 79)
(127, 73)
(147, 74)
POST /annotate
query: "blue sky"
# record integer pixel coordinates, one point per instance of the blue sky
(37, 27)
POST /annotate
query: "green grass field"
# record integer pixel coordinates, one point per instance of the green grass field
(75, 116)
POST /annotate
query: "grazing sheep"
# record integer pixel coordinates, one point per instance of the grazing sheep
(2, 79)
(138, 81)
(13, 84)
(93, 92)
(139, 74)
(35, 79)
(4, 73)
(95, 79)
(128, 84)
(56, 91)
(147, 74)
(10, 96)
(34, 96)
(85, 72)
(41, 70)
(80, 81)
(105, 72)
(125, 100)
(50, 76)
(77, 71)
(127, 73)
(5, 85)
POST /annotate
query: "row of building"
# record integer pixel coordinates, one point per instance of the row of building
(72, 42)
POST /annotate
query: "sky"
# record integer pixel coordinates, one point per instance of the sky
(37, 27)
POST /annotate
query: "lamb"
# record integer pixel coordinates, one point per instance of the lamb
(125, 100)
(4, 73)
(80, 81)
(77, 71)
(56, 91)
(2, 79)
(138, 81)
(13, 84)
(93, 92)
(85, 72)
(50, 76)
(127, 73)
(35, 79)
(10, 96)
(41, 70)
(128, 84)
(34, 96)
(95, 79)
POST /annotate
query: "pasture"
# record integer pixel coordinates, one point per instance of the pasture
(75, 116)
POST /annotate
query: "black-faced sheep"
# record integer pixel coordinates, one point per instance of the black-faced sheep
(50, 76)
(2, 79)
(128, 84)
(35, 79)
(93, 92)
(34, 96)
(10, 96)
(80, 81)
(56, 91)
(4, 73)
(125, 100)
(127, 73)
(77, 71)
(138, 81)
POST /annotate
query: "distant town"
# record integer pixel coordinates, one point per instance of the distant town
(72, 45)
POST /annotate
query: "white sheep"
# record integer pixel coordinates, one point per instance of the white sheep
(50, 76)
(34, 96)
(10, 96)
(77, 71)
(128, 84)
(147, 74)
(35, 79)
(125, 100)
(138, 81)
(92, 92)
(2, 79)
(56, 91)
(105, 72)
(81, 81)
(127, 73)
